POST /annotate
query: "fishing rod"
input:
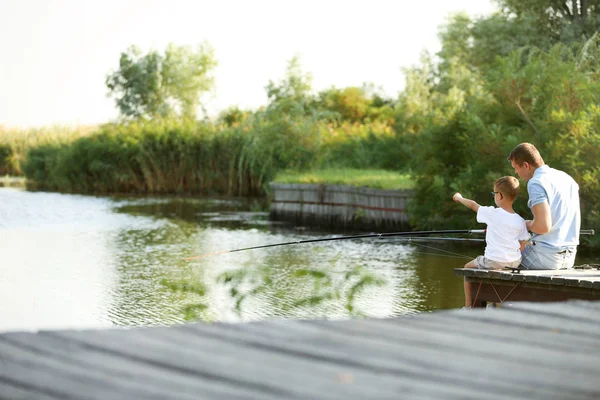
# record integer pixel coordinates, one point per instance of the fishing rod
(371, 235)
(375, 235)
(445, 239)
(581, 232)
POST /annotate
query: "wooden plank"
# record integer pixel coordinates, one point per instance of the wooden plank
(278, 338)
(378, 365)
(18, 391)
(571, 311)
(566, 278)
(496, 351)
(414, 333)
(531, 320)
(571, 282)
(482, 273)
(591, 306)
(506, 276)
(557, 280)
(531, 278)
(212, 361)
(498, 291)
(416, 353)
(585, 284)
(305, 368)
(505, 331)
(465, 271)
(397, 383)
(64, 384)
(89, 359)
(95, 378)
(496, 274)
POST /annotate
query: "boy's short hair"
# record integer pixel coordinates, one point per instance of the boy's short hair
(526, 152)
(508, 186)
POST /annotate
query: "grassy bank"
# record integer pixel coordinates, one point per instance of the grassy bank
(15, 143)
(373, 178)
(13, 181)
(179, 157)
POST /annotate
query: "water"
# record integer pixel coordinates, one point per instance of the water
(72, 261)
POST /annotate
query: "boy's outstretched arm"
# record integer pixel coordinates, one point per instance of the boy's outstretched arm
(467, 202)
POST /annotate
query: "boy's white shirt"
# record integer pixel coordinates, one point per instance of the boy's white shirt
(504, 230)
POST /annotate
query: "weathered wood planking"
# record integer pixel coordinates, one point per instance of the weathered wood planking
(583, 278)
(532, 285)
(339, 205)
(526, 351)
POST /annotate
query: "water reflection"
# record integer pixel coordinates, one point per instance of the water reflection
(70, 261)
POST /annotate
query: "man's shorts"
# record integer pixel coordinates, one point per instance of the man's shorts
(542, 257)
(485, 263)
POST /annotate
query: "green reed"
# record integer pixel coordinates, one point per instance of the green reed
(176, 157)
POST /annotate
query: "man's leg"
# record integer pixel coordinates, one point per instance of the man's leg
(540, 257)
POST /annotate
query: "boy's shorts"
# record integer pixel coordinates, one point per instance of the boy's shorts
(485, 263)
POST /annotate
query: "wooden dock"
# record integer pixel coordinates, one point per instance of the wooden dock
(340, 206)
(499, 286)
(526, 351)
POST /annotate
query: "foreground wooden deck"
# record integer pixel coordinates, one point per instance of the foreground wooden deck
(526, 351)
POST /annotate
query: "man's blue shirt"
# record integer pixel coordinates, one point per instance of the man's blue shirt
(561, 192)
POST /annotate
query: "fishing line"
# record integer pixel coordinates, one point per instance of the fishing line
(440, 255)
(455, 255)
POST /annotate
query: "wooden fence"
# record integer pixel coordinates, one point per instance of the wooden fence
(340, 206)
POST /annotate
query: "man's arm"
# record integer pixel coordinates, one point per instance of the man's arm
(542, 219)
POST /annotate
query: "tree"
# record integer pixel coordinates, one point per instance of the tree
(356, 104)
(153, 85)
(350, 103)
(292, 92)
(233, 116)
(562, 20)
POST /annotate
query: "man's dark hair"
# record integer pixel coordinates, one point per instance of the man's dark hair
(526, 152)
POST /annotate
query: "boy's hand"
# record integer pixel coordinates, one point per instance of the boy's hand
(456, 196)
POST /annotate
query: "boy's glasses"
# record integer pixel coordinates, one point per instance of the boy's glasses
(494, 194)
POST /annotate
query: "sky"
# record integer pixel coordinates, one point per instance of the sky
(55, 54)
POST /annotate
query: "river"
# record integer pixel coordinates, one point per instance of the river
(74, 261)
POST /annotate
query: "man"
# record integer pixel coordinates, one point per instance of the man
(554, 203)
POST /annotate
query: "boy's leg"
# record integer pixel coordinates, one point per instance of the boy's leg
(468, 285)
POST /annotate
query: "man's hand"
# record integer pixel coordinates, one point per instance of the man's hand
(523, 243)
(457, 196)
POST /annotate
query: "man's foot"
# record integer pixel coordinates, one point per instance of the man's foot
(466, 308)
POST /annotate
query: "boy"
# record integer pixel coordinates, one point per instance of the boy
(506, 233)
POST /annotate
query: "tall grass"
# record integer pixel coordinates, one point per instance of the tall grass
(158, 157)
(174, 156)
(15, 142)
